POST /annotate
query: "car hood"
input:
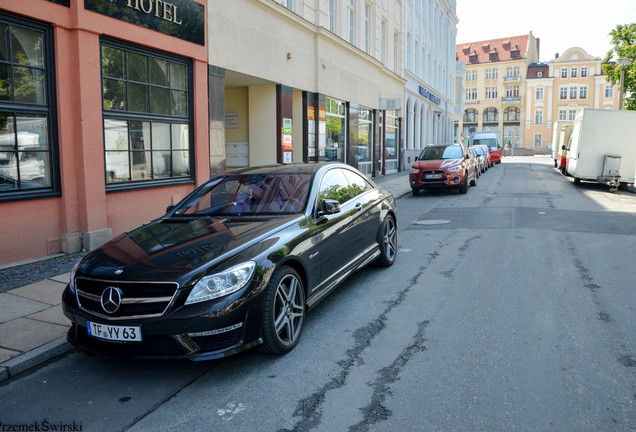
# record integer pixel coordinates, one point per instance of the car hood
(436, 164)
(168, 249)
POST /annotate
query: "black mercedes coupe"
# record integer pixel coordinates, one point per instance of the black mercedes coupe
(236, 264)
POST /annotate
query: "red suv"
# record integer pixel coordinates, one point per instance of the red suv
(443, 166)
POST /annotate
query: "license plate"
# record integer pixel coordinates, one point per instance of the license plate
(433, 176)
(114, 333)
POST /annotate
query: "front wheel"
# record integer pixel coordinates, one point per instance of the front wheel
(388, 243)
(464, 186)
(283, 311)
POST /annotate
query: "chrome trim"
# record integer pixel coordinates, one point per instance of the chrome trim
(132, 300)
(217, 331)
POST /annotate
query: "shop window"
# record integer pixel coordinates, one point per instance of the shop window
(335, 147)
(491, 115)
(28, 137)
(147, 116)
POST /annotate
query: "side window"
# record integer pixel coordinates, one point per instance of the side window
(335, 185)
(357, 183)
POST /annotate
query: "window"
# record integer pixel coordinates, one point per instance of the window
(472, 58)
(563, 92)
(493, 56)
(516, 71)
(474, 75)
(539, 74)
(495, 74)
(538, 140)
(289, 4)
(538, 117)
(146, 114)
(468, 75)
(609, 91)
(28, 145)
(512, 91)
(572, 114)
(470, 115)
(382, 41)
(583, 71)
(367, 28)
(512, 114)
(564, 72)
(332, 16)
(574, 92)
(488, 93)
(336, 138)
(509, 72)
(563, 114)
(396, 44)
(539, 93)
(491, 115)
(488, 74)
(574, 72)
(473, 94)
(351, 22)
(583, 92)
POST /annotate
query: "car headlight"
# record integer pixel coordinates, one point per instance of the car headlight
(456, 168)
(222, 284)
(71, 282)
(414, 170)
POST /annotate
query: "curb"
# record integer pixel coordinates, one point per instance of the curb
(28, 360)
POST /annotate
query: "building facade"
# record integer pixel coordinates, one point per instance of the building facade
(306, 81)
(494, 87)
(430, 97)
(560, 88)
(102, 124)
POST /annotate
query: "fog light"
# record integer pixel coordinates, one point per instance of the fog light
(456, 179)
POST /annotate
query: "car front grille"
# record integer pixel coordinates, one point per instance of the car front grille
(436, 173)
(138, 299)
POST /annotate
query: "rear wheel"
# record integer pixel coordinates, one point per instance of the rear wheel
(474, 182)
(577, 181)
(283, 311)
(388, 243)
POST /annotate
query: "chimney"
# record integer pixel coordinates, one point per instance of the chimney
(556, 56)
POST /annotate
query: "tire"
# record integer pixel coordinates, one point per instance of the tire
(474, 182)
(416, 192)
(283, 311)
(388, 243)
(577, 181)
(464, 186)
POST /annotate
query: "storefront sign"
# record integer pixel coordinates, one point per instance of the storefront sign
(184, 19)
(428, 95)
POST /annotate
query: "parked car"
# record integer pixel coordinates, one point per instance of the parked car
(235, 264)
(443, 166)
(473, 152)
(496, 153)
(486, 151)
(481, 159)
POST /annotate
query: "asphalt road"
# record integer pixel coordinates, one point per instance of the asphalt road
(510, 308)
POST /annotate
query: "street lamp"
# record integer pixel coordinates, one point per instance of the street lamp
(623, 61)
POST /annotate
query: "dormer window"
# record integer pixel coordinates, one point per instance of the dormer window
(472, 58)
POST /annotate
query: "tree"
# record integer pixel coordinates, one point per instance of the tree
(624, 41)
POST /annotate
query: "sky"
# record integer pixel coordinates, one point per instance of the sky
(560, 24)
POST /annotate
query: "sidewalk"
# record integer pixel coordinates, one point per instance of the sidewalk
(33, 327)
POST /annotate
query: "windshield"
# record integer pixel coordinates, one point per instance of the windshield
(487, 141)
(248, 194)
(449, 152)
(494, 147)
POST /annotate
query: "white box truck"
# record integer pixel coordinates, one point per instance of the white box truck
(602, 147)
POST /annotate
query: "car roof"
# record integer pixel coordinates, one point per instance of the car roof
(295, 168)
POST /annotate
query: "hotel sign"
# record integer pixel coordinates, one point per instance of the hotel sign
(428, 95)
(184, 19)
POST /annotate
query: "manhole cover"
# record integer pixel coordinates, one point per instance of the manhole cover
(432, 222)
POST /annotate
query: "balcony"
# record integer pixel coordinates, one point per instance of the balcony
(508, 79)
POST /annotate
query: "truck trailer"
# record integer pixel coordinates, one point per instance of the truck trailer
(560, 141)
(602, 147)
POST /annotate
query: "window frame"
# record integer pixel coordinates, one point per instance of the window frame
(49, 109)
(152, 118)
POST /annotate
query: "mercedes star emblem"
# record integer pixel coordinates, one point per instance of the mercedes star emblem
(111, 299)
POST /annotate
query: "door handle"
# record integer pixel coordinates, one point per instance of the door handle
(359, 207)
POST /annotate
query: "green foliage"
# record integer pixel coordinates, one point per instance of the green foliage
(624, 41)
(341, 194)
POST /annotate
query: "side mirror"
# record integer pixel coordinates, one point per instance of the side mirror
(170, 207)
(329, 206)
(563, 147)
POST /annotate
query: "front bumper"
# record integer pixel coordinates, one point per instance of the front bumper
(202, 331)
(449, 180)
